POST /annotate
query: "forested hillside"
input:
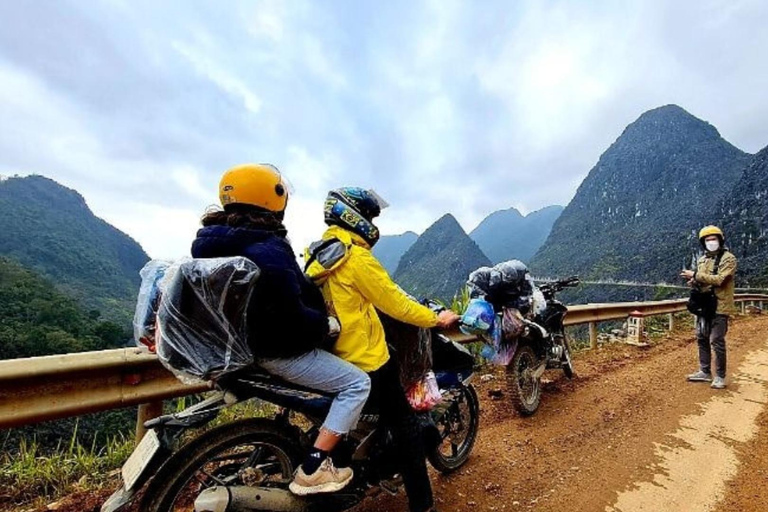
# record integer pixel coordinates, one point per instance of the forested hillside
(36, 319)
(50, 229)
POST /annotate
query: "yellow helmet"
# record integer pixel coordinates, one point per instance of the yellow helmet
(709, 231)
(259, 185)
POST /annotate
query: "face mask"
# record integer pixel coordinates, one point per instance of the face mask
(712, 245)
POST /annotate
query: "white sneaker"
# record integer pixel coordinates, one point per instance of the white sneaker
(718, 383)
(700, 376)
(327, 478)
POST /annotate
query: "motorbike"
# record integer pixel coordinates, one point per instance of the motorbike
(544, 345)
(246, 465)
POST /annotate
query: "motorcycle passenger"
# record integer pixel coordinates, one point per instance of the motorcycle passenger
(287, 318)
(355, 285)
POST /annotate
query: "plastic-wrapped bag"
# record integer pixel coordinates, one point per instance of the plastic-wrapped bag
(507, 284)
(424, 394)
(478, 318)
(202, 317)
(512, 324)
(496, 349)
(145, 317)
(412, 349)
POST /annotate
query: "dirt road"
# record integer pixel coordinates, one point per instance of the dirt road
(629, 434)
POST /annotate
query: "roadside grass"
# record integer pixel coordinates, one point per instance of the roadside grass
(30, 475)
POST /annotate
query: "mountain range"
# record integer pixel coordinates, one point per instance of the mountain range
(636, 215)
(507, 234)
(744, 217)
(390, 248)
(436, 266)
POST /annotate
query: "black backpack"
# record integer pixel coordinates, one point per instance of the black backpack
(704, 304)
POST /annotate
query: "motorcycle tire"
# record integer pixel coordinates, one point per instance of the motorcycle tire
(458, 431)
(213, 456)
(524, 389)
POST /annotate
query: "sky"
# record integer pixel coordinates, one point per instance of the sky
(440, 106)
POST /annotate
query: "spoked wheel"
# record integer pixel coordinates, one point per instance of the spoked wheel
(458, 431)
(524, 386)
(248, 452)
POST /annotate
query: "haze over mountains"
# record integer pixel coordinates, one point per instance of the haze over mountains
(503, 235)
(438, 263)
(634, 217)
(390, 248)
(637, 214)
(507, 234)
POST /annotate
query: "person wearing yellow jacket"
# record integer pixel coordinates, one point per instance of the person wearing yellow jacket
(355, 285)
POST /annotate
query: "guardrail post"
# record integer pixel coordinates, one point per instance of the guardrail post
(743, 307)
(593, 335)
(147, 412)
(671, 321)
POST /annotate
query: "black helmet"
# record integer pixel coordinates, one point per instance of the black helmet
(354, 209)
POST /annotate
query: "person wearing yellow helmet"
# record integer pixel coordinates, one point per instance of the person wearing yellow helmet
(288, 323)
(713, 289)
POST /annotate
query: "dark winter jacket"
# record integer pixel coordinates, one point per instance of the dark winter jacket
(287, 314)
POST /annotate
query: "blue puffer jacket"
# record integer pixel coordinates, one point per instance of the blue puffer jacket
(287, 315)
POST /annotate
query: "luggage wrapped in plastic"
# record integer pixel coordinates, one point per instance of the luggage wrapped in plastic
(412, 349)
(497, 350)
(202, 317)
(479, 319)
(512, 324)
(145, 317)
(506, 284)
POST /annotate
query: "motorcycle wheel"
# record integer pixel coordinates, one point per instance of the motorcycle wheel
(247, 452)
(523, 386)
(458, 432)
(567, 361)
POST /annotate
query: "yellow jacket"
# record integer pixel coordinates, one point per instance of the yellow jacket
(354, 286)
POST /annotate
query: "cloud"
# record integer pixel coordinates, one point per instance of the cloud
(438, 105)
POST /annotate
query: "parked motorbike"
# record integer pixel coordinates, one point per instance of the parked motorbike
(544, 345)
(247, 465)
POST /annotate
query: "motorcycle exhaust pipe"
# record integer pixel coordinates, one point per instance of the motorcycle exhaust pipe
(248, 499)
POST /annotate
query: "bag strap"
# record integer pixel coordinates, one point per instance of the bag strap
(313, 255)
(717, 262)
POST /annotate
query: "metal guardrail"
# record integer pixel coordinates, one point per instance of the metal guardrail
(52, 387)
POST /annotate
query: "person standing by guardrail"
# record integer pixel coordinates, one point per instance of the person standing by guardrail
(712, 303)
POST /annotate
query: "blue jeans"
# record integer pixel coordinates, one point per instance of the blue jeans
(325, 372)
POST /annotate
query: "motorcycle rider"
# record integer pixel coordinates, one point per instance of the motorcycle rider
(714, 271)
(287, 319)
(355, 284)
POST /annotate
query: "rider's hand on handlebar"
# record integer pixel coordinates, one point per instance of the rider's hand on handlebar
(447, 318)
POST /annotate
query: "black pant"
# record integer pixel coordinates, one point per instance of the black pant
(397, 415)
(711, 336)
